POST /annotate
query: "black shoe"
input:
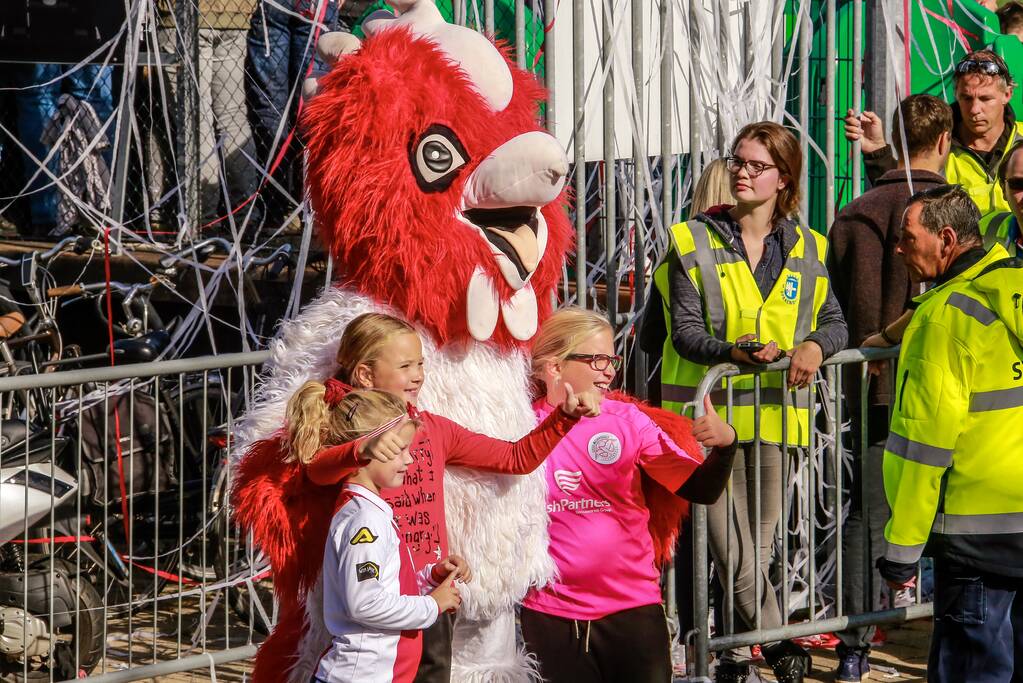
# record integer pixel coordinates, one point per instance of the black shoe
(731, 671)
(789, 662)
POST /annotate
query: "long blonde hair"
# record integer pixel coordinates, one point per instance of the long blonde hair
(313, 424)
(561, 334)
(363, 339)
(714, 188)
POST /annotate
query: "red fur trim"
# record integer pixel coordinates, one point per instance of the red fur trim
(288, 516)
(667, 511)
(278, 653)
(387, 236)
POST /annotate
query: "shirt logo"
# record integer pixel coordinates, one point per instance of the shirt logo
(568, 481)
(364, 571)
(791, 290)
(604, 448)
(363, 535)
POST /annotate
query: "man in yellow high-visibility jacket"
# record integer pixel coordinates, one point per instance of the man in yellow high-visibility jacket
(953, 462)
(984, 128)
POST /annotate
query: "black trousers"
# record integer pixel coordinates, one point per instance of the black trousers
(631, 646)
(435, 665)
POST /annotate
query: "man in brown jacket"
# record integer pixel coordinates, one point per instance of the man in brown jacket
(874, 289)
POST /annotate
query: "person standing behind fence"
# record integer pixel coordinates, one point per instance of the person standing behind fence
(281, 45)
(752, 272)
(40, 87)
(714, 188)
(953, 461)
(225, 138)
(984, 127)
(873, 287)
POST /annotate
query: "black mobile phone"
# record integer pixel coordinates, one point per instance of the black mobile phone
(749, 347)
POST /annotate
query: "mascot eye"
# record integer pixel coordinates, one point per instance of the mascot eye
(436, 158)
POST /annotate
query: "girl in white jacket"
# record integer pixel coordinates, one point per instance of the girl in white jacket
(373, 601)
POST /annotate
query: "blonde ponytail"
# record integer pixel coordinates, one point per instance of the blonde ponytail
(313, 424)
(307, 417)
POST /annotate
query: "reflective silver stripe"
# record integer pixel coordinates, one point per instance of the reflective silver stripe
(906, 554)
(808, 269)
(1000, 399)
(713, 300)
(918, 452)
(997, 523)
(971, 307)
(769, 396)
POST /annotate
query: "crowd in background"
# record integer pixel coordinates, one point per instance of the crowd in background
(253, 56)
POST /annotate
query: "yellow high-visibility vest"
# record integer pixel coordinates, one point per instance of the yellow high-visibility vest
(953, 461)
(733, 307)
(965, 168)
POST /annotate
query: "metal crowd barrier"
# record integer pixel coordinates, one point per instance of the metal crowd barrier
(119, 560)
(807, 543)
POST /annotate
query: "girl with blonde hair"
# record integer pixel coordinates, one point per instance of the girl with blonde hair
(382, 352)
(600, 621)
(375, 604)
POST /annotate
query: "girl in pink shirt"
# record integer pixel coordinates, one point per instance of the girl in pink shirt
(601, 620)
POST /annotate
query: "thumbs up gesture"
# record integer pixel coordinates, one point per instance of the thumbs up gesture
(584, 404)
(710, 430)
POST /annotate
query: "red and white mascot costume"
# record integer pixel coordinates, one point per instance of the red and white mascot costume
(441, 201)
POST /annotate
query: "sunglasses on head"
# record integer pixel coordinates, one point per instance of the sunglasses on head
(977, 66)
(597, 361)
(1014, 184)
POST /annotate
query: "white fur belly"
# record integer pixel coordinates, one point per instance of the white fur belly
(498, 522)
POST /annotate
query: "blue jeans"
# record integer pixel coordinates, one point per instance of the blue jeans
(35, 106)
(280, 47)
(978, 627)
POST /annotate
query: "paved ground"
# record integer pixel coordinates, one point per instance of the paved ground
(902, 658)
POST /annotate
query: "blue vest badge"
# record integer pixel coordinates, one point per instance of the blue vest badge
(791, 289)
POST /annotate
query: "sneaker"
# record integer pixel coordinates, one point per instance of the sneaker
(853, 666)
(789, 662)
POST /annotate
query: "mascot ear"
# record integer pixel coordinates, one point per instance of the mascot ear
(420, 15)
(331, 47)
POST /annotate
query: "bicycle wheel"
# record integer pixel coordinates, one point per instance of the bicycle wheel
(238, 561)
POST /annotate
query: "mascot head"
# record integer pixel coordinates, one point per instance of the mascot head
(434, 188)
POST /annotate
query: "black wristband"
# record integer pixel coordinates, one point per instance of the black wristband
(884, 335)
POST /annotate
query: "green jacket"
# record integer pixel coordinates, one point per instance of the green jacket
(953, 461)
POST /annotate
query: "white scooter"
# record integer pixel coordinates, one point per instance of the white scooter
(51, 620)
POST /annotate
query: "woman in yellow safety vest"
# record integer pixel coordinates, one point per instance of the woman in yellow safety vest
(751, 273)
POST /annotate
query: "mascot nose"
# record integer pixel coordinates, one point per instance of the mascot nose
(528, 170)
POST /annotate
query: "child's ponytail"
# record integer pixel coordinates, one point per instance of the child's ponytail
(307, 419)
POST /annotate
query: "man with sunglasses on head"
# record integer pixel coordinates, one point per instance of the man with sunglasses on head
(1004, 227)
(984, 128)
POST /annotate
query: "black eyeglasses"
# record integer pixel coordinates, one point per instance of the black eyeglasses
(753, 168)
(1014, 184)
(978, 66)
(597, 361)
